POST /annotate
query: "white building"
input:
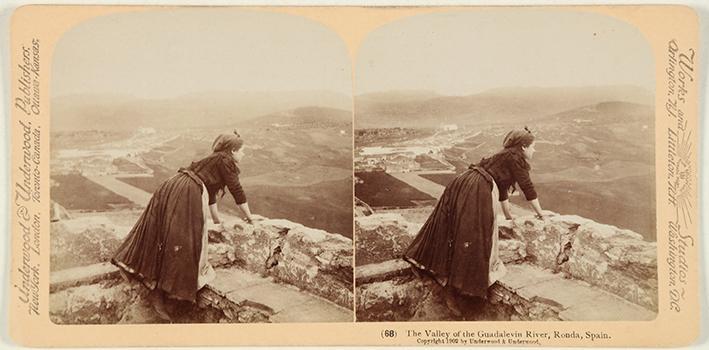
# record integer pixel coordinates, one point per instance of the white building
(449, 127)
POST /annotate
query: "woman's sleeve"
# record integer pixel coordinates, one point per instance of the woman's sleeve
(230, 175)
(520, 172)
(504, 193)
(212, 197)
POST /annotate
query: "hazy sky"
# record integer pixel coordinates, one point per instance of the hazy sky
(460, 53)
(167, 53)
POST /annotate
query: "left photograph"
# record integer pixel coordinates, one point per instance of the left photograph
(201, 170)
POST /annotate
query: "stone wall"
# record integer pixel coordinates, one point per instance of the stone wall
(311, 259)
(410, 298)
(616, 260)
(115, 301)
(385, 236)
(382, 237)
(587, 254)
(83, 241)
(86, 289)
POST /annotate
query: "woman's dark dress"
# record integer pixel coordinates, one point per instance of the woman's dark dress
(455, 243)
(163, 248)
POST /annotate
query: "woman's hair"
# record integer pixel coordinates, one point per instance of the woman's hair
(518, 138)
(227, 142)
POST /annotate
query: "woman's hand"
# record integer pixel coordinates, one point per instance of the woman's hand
(545, 214)
(214, 212)
(539, 213)
(506, 209)
(252, 219)
(247, 212)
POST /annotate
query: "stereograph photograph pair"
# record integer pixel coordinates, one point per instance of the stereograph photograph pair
(354, 176)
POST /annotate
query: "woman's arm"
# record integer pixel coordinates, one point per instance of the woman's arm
(245, 209)
(537, 208)
(520, 172)
(534, 203)
(215, 213)
(230, 174)
(506, 209)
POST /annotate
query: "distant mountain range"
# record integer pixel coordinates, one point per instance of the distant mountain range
(121, 112)
(396, 96)
(373, 110)
(425, 108)
(607, 112)
(304, 116)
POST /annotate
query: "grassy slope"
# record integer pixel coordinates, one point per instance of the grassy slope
(326, 205)
(380, 189)
(627, 203)
(70, 192)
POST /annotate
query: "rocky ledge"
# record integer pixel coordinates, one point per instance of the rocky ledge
(310, 259)
(263, 271)
(561, 268)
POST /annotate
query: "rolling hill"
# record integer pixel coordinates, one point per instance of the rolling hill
(309, 116)
(391, 109)
(121, 112)
(595, 160)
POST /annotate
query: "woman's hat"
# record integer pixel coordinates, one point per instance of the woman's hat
(227, 142)
(518, 138)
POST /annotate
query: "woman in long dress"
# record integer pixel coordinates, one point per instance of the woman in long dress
(167, 248)
(457, 245)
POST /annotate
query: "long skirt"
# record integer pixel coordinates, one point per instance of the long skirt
(458, 243)
(167, 247)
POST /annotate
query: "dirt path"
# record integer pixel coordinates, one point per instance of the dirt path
(134, 194)
(435, 190)
(424, 185)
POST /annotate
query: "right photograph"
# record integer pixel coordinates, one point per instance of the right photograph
(505, 169)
